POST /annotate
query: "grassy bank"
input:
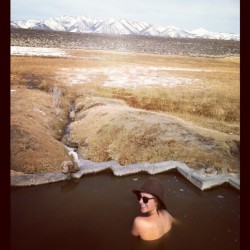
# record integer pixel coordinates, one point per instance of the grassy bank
(213, 101)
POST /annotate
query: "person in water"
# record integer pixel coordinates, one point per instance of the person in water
(156, 221)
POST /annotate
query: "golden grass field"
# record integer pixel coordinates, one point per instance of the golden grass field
(196, 98)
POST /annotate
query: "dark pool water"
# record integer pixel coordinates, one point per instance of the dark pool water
(97, 211)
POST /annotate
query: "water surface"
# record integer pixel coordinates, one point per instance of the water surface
(97, 212)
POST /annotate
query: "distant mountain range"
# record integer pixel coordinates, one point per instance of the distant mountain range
(112, 26)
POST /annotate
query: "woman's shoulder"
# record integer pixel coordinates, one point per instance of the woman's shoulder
(139, 224)
(140, 220)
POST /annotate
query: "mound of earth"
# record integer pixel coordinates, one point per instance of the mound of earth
(107, 129)
(36, 128)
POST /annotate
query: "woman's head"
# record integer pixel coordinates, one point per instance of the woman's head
(151, 193)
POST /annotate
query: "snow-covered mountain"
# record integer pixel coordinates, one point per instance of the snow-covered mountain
(113, 26)
(202, 33)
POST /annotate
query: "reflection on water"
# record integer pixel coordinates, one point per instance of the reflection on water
(69, 186)
(97, 212)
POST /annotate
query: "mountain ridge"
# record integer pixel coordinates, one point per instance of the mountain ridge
(112, 26)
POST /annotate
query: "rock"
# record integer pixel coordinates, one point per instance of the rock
(69, 167)
(74, 155)
(211, 170)
(72, 115)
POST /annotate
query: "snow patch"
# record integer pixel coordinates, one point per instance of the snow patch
(127, 76)
(35, 51)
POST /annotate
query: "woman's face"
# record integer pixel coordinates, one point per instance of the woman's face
(149, 205)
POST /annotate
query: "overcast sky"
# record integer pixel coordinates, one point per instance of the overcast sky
(212, 15)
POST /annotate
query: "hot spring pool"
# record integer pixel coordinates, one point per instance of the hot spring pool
(96, 213)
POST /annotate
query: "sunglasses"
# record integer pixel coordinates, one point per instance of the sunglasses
(144, 199)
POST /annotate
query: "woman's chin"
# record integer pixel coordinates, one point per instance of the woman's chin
(144, 210)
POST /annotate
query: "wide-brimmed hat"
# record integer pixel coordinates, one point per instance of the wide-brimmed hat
(155, 187)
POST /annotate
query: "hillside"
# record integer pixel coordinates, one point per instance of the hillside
(127, 43)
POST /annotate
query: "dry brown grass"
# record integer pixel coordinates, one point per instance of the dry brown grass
(110, 130)
(35, 132)
(211, 103)
(216, 98)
